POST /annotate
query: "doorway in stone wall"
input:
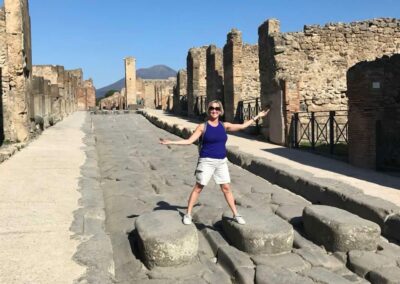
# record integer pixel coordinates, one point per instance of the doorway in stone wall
(387, 147)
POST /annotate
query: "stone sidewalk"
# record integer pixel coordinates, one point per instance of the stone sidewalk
(38, 194)
(369, 194)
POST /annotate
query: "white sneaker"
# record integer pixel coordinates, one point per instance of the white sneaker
(187, 219)
(239, 219)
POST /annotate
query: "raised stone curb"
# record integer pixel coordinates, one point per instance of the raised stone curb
(339, 230)
(262, 234)
(164, 240)
(316, 190)
(9, 150)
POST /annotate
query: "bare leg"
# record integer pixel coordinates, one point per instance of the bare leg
(193, 197)
(226, 189)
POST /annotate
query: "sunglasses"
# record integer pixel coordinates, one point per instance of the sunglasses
(214, 108)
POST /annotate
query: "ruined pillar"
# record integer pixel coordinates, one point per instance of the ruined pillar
(91, 95)
(130, 82)
(232, 73)
(180, 98)
(215, 74)
(196, 78)
(271, 89)
(17, 71)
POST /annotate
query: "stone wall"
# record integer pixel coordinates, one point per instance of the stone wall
(86, 95)
(16, 70)
(196, 78)
(373, 90)
(316, 61)
(180, 95)
(241, 75)
(158, 93)
(215, 74)
(115, 101)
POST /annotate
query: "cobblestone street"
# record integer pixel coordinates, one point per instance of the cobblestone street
(138, 175)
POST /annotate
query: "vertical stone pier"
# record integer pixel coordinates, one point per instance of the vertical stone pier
(180, 93)
(215, 74)
(17, 71)
(196, 77)
(130, 82)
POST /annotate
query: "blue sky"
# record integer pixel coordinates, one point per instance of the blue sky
(97, 34)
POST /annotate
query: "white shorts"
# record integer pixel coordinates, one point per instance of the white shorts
(217, 168)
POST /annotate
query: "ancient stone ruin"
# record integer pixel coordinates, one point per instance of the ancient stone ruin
(33, 96)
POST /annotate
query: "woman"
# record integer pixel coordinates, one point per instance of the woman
(212, 160)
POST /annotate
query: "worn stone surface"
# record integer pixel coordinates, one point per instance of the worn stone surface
(385, 275)
(164, 241)
(270, 275)
(324, 276)
(362, 262)
(319, 258)
(261, 234)
(289, 261)
(231, 259)
(339, 230)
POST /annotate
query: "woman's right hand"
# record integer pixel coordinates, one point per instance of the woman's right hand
(164, 141)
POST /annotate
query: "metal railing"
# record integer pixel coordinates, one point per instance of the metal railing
(328, 128)
(248, 109)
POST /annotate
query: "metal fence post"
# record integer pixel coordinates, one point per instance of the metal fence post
(313, 130)
(331, 132)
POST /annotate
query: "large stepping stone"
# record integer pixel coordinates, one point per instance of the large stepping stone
(164, 240)
(339, 230)
(263, 233)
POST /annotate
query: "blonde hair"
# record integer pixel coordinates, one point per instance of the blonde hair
(220, 105)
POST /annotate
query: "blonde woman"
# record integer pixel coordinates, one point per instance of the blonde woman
(212, 161)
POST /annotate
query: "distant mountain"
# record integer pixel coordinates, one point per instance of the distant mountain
(154, 72)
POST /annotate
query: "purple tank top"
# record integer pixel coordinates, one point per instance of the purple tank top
(214, 141)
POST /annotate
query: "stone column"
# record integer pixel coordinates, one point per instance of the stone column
(271, 90)
(180, 98)
(196, 77)
(232, 73)
(17, 99)
(130, 82)
(215, 74)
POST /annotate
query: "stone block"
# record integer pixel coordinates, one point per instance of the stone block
(164, 240)
(244, 275)
(392, 227)
(292, 213)
(385, 275)
(231, 259)
(263, 233)
(362, 262)
(271, 275)
(339, 230)
(215, 240)
(324, 276)
(290, 261)
(318, 258)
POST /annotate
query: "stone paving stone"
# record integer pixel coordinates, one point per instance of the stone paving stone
(318, 258)
(290, 261)
(231, 259)
(263, 233)
(207, 215)
(362, 262)
(214, 239)
(292, 213)
(301, 242)
(339, 230)
(164, 240)
(324, 276)
(389, 249)
(385, 275)
(351, 276)
(285, 198)
(244, 275)
(272, 275)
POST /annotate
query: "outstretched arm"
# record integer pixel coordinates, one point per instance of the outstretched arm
(196, 134)
(236, 127)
